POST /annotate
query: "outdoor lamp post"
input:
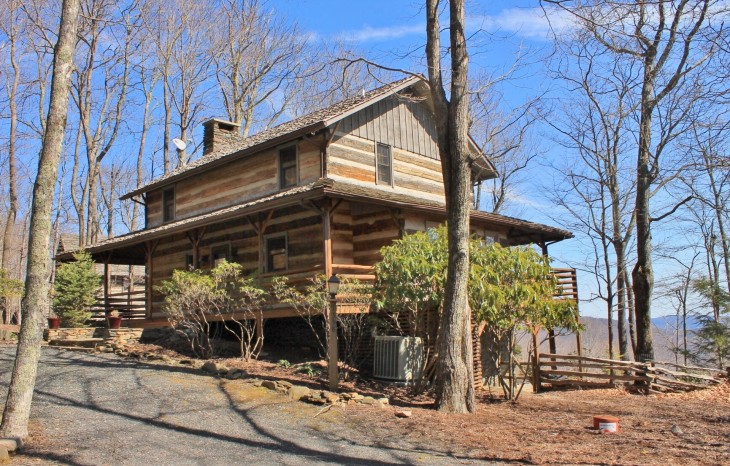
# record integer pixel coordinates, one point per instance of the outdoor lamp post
(333, 286)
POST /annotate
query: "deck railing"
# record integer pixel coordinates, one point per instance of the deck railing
(131, 305)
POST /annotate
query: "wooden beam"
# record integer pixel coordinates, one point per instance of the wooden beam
(150, 247)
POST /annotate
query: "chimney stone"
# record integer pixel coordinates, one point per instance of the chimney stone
(219, 135)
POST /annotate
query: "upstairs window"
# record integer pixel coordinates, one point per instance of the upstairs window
(276, 253)
(288, 173)
(384, 160)
(168, 205)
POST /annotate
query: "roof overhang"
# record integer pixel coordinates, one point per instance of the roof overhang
(129, 245)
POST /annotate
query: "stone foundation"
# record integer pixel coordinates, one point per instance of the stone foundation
(101, 335)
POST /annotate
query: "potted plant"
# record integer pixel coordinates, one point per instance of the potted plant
(54, 322)
(115, 320)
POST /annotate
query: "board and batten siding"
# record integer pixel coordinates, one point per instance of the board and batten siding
(408, 128)
(400, 123)
(233, 183)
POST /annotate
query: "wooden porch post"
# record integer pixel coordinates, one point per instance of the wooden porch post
(107, 282)
(195, 238)
(259, 226)
(150, 247)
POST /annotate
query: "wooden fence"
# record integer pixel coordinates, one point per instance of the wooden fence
(131, 305)
(559, 370)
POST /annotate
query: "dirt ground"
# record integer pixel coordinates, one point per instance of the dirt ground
(546, 428)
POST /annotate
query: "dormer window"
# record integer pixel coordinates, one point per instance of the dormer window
(168, 205)
(288, 171)
(384, 161)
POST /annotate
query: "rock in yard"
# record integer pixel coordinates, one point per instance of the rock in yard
(404, 413)
(270, 384)
(383, 401)
(314, 399)
(11, 444)
(234, 374)
(297, 393)
(367, 400)
(210, 367)
(330, 397)
(4, 456)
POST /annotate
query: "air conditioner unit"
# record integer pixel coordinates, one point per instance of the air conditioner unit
(398, 358)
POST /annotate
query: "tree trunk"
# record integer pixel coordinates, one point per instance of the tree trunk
(454, 376)
(35, 301)
(623, 344)
(643, 274)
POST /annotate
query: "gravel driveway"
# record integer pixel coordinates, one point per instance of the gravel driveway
(100, 409)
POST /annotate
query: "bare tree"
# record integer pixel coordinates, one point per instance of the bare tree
(257, 56)
(186, 58)
(598, 124)
(35, 301)
(502, 137)
(670, 43)
(106, 36)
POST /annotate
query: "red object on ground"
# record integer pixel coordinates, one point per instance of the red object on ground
(605, 423)
(54, 322)
(115, 322)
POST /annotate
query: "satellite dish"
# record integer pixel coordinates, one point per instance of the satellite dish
(179, 143)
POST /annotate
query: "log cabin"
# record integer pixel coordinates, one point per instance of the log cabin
(320, 194)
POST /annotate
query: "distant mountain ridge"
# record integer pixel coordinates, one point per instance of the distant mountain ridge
(594, 338)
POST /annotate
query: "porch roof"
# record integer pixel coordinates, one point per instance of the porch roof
(129, 248)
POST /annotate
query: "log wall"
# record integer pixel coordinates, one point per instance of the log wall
(234, 183)
(304, 242)
(352, 159)
(373, 227)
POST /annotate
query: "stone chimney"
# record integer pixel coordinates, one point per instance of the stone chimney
(220, 136)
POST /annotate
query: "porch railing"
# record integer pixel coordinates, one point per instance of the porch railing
(131, 305)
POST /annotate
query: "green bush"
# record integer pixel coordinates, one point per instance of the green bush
(75, 289)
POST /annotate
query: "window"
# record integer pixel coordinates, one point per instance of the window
(219, 254)
(384, 164)
(189, 263)
(168, 205)
(432, 229)
(276, 253)
(288, 173)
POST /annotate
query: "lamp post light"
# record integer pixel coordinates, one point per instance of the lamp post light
(333, 286)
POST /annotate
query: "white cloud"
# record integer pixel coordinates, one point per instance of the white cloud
(368, 33)
(529, 23)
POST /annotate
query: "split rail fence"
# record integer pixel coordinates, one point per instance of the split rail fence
(557, 370)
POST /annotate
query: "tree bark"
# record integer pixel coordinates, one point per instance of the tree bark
(455, 373)
(20, 393)
(643, 274)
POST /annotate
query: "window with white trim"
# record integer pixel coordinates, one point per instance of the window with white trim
(384, 163)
